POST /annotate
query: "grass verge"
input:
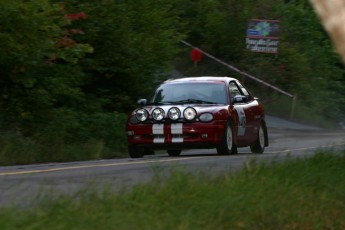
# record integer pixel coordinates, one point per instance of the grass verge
(298, 194)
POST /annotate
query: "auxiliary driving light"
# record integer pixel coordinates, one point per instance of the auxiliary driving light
(174, 113)
(189, 113)
(142, 115)
(158, 114)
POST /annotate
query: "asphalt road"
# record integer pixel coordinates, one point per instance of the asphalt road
(25, 185)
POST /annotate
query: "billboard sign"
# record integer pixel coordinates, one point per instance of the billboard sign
(263, 35)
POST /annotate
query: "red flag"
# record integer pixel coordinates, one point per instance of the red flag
(196, 55)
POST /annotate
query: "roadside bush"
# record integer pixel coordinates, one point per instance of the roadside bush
(17, 149)
(69, 137)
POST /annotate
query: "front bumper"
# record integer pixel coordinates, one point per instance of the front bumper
(176, 135)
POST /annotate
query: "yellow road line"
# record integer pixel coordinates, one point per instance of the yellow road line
(92, 166)
(142, 162)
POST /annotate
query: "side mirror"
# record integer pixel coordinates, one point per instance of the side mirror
(239, 99)
(142, 102)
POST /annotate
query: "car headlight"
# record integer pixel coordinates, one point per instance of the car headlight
(141, 114)
(158, 114)
(206, 117)
(174, 113)
(189, 113)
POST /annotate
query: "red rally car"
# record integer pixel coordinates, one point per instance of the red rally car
(195, 113)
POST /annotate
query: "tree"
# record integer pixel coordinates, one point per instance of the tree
(306, 64)
(134, 43)
(37, 72)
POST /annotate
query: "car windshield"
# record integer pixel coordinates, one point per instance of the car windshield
(184, 93)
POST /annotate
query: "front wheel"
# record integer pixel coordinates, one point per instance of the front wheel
(259, 146)
(227, 146)
(135, 152)
(174, 152)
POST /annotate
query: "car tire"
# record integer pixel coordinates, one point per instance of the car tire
(135, 152)
(259, 146)
(149, 152)
(174, 152)
(227, 146)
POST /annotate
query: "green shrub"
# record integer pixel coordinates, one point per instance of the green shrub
(69, 137)
(16, 149)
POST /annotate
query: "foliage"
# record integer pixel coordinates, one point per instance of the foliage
(306, 65)
(66, 138)
(317, 72)
(311, 196)
(38, 74)
(69, 70)
(134, 43)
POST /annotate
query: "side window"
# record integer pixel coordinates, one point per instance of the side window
(245, 92)
(234, 90)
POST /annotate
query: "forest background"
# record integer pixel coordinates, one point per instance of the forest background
(70, 71)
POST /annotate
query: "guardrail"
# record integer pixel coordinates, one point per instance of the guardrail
(294, 97)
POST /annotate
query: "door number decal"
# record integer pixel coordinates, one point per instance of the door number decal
(242, 121)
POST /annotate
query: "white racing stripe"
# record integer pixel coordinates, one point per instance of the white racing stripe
(159, 140)
(177, 129)
(158, 129)
(177, 140)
